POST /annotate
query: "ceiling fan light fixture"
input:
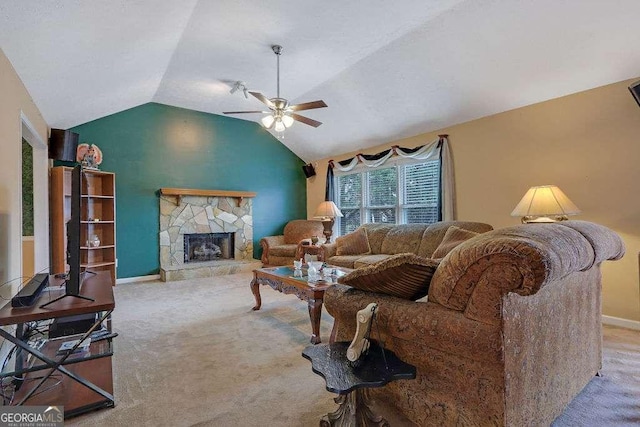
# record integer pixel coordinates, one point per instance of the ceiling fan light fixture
(281, 114)
(267, 121)
(279, 125)
(287, 120)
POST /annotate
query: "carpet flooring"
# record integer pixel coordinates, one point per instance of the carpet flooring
(193, 353)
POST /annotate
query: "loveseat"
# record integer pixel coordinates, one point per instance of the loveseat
(281, 249)
(509, 333)
(381, 241)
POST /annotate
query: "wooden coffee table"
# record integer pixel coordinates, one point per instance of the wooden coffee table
(282, 279)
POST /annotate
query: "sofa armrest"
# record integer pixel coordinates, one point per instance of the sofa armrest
(328, 250)
(269, 242)
(412, 324)
(343, 302)
(476, 275)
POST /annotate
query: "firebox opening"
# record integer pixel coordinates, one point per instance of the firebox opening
(200, 247)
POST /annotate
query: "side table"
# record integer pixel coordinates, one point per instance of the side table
(303, 250)
(352, 380)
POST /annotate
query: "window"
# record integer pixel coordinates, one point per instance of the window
(349, 201)
(421, 184)
(405, 193)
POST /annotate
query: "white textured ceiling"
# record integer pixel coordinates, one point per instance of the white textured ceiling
(387, 69)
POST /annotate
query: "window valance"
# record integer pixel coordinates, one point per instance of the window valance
(438, 149)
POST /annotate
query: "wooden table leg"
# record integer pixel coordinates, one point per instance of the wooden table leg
(255, 289)
(315, 311)
(354, 410)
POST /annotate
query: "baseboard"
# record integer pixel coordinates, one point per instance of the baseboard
(623, 323)
(149, 278)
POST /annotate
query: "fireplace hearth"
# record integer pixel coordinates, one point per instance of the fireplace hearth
(202, 247)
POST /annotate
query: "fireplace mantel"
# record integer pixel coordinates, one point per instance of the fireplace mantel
(179, 192)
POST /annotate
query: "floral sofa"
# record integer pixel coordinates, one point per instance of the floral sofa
(509, 333)
(372, 243)
(281, 250)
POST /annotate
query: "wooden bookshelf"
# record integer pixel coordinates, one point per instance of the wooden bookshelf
(97, 218)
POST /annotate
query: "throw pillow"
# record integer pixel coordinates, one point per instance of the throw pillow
(355, 243)
(452, 238)
(405, 276)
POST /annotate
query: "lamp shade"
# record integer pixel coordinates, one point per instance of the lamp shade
(543, 202)
(327, 209)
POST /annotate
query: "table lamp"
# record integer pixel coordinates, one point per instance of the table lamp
(545, 203)
(327, 212)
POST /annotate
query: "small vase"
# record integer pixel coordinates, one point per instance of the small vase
(95, 241)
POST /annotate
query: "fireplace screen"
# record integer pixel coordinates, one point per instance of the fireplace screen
(208, 246)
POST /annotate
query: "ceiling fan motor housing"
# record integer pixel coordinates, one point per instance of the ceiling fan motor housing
(279, 103)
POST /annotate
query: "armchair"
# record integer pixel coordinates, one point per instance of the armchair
(281, 249)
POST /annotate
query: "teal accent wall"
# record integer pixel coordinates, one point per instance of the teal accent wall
(155, 145)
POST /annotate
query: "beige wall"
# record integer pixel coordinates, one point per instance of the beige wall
(28, 256)
(17, 113)
(587, 143)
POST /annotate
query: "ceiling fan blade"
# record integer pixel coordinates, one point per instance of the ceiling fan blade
(305, 120)
(307, 106)
(243, 112)
(263, 99)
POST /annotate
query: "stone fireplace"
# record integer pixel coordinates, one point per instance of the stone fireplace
(204, 235)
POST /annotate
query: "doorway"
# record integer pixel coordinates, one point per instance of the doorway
(28, 268)
(34, 254)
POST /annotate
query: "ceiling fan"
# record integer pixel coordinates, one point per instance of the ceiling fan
(281, 115)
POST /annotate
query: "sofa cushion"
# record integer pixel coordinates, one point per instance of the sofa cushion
(283, 250)
(435, 233)
(376, 234)
(403, 275)
(367, 260)
(452, 238)
(403, 239)
(347, 261)
(355, 243)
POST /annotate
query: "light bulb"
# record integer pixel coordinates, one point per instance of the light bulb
(267, 121)
(287, 120)
(279, 126)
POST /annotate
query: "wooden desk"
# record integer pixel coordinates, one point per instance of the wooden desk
(87, 379)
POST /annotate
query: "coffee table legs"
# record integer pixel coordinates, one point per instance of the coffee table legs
(314, 304)
(354, 410)
(255, 289)
(315, 311)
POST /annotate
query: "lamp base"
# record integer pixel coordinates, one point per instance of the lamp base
(543, 219)
(328, 229)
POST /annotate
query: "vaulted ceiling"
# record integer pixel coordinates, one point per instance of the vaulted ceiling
(386, 69)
